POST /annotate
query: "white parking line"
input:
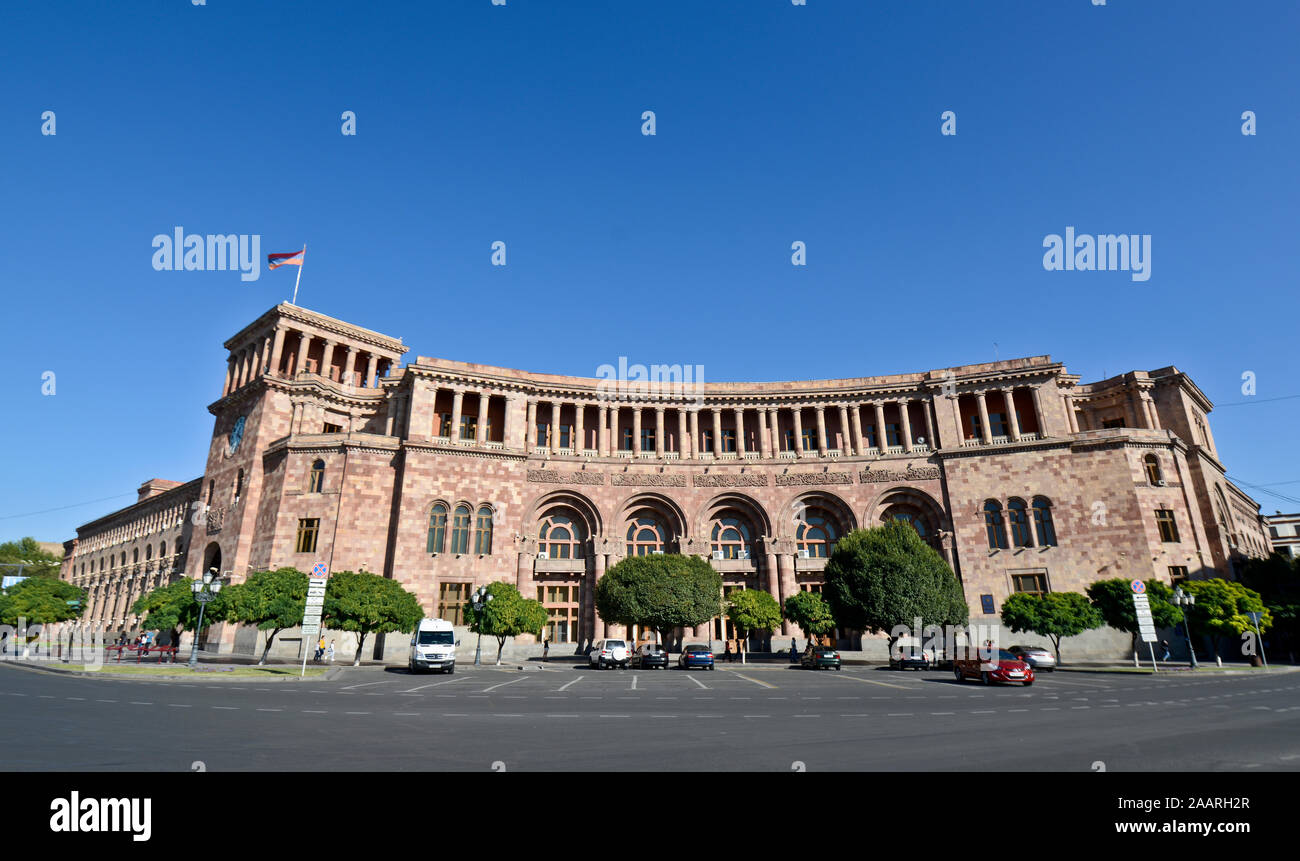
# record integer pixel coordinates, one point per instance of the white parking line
(434, 685)
(698, 682)
(363, 685)
(634, 677)
(574, 682)
(755, 681)
(502, 685)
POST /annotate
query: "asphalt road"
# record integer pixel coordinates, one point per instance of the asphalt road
(765, 718)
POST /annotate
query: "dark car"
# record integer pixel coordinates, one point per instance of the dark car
(650, 657)
(909, 659)
(696, 656)
(1036, 656)
(817, 657)
(1004, 666)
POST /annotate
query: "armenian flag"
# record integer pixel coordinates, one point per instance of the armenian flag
(275, 261)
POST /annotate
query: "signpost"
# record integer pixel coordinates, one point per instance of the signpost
(1255, 618)
(1146, 627)
(315, 604)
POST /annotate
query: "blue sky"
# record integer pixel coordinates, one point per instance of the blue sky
(522, 123)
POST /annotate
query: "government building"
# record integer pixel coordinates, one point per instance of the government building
(446, 475)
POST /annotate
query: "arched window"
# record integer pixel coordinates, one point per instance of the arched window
(561, 535)
(815, 533)
(162, 549)
(437, 528)
(460, 529)
(1018, 515)
(148, 552)
(645, 535)
(1152, 465)
(993, 525)
(316, 481)
(483, 531)
(1043, 522)
(731, 537)
(239, 486)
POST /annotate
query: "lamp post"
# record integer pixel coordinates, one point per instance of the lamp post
(205, 590)
(478, 601)
(1184, 600)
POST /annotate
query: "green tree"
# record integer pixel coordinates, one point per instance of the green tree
(885, 578)
(40, 600)
(1221, 607)
(366, 604)
(810, 612)
(1277, 580)
(662, 592)
(1114, 600)
(271, 600)
(752, 610)
(508, 614)
(173, 609)
(28, 550)
(1054, 615)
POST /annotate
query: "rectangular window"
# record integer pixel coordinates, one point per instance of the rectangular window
(563, 604)
(870, 431)
(809, 439)
(307, 530)
(625, 439)
(892, 436)
(451, 602)
(728, 440)
(1113, 423)
(566, 436)
(543, 434)
(787, 441)
(1177, 574)
(998, 423)
(1034, 584)
(329, 428)
(706, 440)
(647, 439)
(469, 427)
(974, 428)
(1168, 528)
(444, 425)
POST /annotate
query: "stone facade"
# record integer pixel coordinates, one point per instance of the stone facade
(446, 475)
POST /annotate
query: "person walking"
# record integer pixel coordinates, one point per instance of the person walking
(330, 652)
(320, 649)
(1164, 644)
(727, 654)
(546, 649)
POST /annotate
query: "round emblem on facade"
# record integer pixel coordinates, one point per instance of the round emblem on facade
(236, 434)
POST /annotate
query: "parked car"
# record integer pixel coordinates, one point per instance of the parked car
(909, 658)
(696, 656)
(610, 653)
(650, 657)
(1036, 656)
(817, 657)
(1005, 666)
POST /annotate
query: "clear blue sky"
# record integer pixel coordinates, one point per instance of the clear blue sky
(522, 123)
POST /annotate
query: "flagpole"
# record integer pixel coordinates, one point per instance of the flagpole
(299, 278)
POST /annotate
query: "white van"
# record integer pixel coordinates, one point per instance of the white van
(433, 646)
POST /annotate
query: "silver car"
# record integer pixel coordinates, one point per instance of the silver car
(1036, 656)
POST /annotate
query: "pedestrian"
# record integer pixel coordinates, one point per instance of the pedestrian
(330, 652)
(546, 649)
(727, 654)
(1164, 644)
(794, 653)
(320, 649)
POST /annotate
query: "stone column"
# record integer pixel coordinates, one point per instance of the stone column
(821, 430)
(599, 626)
(602, 432)
(764, 441)
(846, 445)
(1009, 398)
(906, 421)
(304, 347)
(774, 583)
(659, 432)
(524, 573)
(796, 413)
(683, 447)
(1152, 413)
(327, 359)
(457, 405)
(636, 431)
(740, 432)
(263, 357)
(277, 350)
(484, 401)
(986, 432)
(789, 586)
(774, 428)
(929, 426)
(1038, 412)
(1069, 414)
(349, 365)
(371, 366)
(614, 440)
(882, 437)
(717, 432)
(530, 426)
(579, 432)
(230, 377)
(695, 433)
(859, 445)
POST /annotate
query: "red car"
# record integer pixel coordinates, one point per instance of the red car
(1005, 667)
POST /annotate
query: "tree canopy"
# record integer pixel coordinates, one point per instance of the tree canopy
(367, 604)
(1054, 615)
(43, 563)
(810, 612)
(881, 578)
(752, 610)
(1221, 607)
(41, 600)
(173, 609)
(270, 600)
(508, 614)
(1114, 600)
(662, 592)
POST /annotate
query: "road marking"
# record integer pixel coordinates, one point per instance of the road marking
(756, 716)
(105, 701)
(564, 716)
(942, 713)
(985, 712)
(178, 705)
(362, 685)
(812, 716)
(1017, 710)
(907, 714)
(227, 708)
(434, 685)
(756, 681)
(574, 682)
(356, 713)
(698, 682)
(614, 716)
(875, 682)
(314, 712)
(1050, 709)
(406, 714)
(134, 703)
(634, 677)
(66, 698)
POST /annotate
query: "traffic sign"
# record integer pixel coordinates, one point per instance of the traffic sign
(320, 570)
(1138, 587)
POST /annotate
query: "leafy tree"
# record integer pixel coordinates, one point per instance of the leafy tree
(752, 610)
(1114, 600)
(662, 592)
(44, 564)
(1277, 580)
(1221, 607)
(173, 609)
(271, 600)
(41, 600)
(810, 612)
(1054, 615)
(367, 604)
(508, 614)
(881, 578)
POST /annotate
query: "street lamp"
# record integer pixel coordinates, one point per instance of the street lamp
(1186, 599)
(478, 601)
(205, 590)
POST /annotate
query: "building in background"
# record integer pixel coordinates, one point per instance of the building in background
(1284, 532)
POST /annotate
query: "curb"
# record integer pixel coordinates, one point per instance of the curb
(134, 677)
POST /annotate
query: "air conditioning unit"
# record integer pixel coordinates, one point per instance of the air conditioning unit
(656, 553)
(804, 554)
(717, 554)
(1160, 482)
(742, 554)
(542, 554)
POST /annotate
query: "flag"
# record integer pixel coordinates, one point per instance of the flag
(274, 261)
